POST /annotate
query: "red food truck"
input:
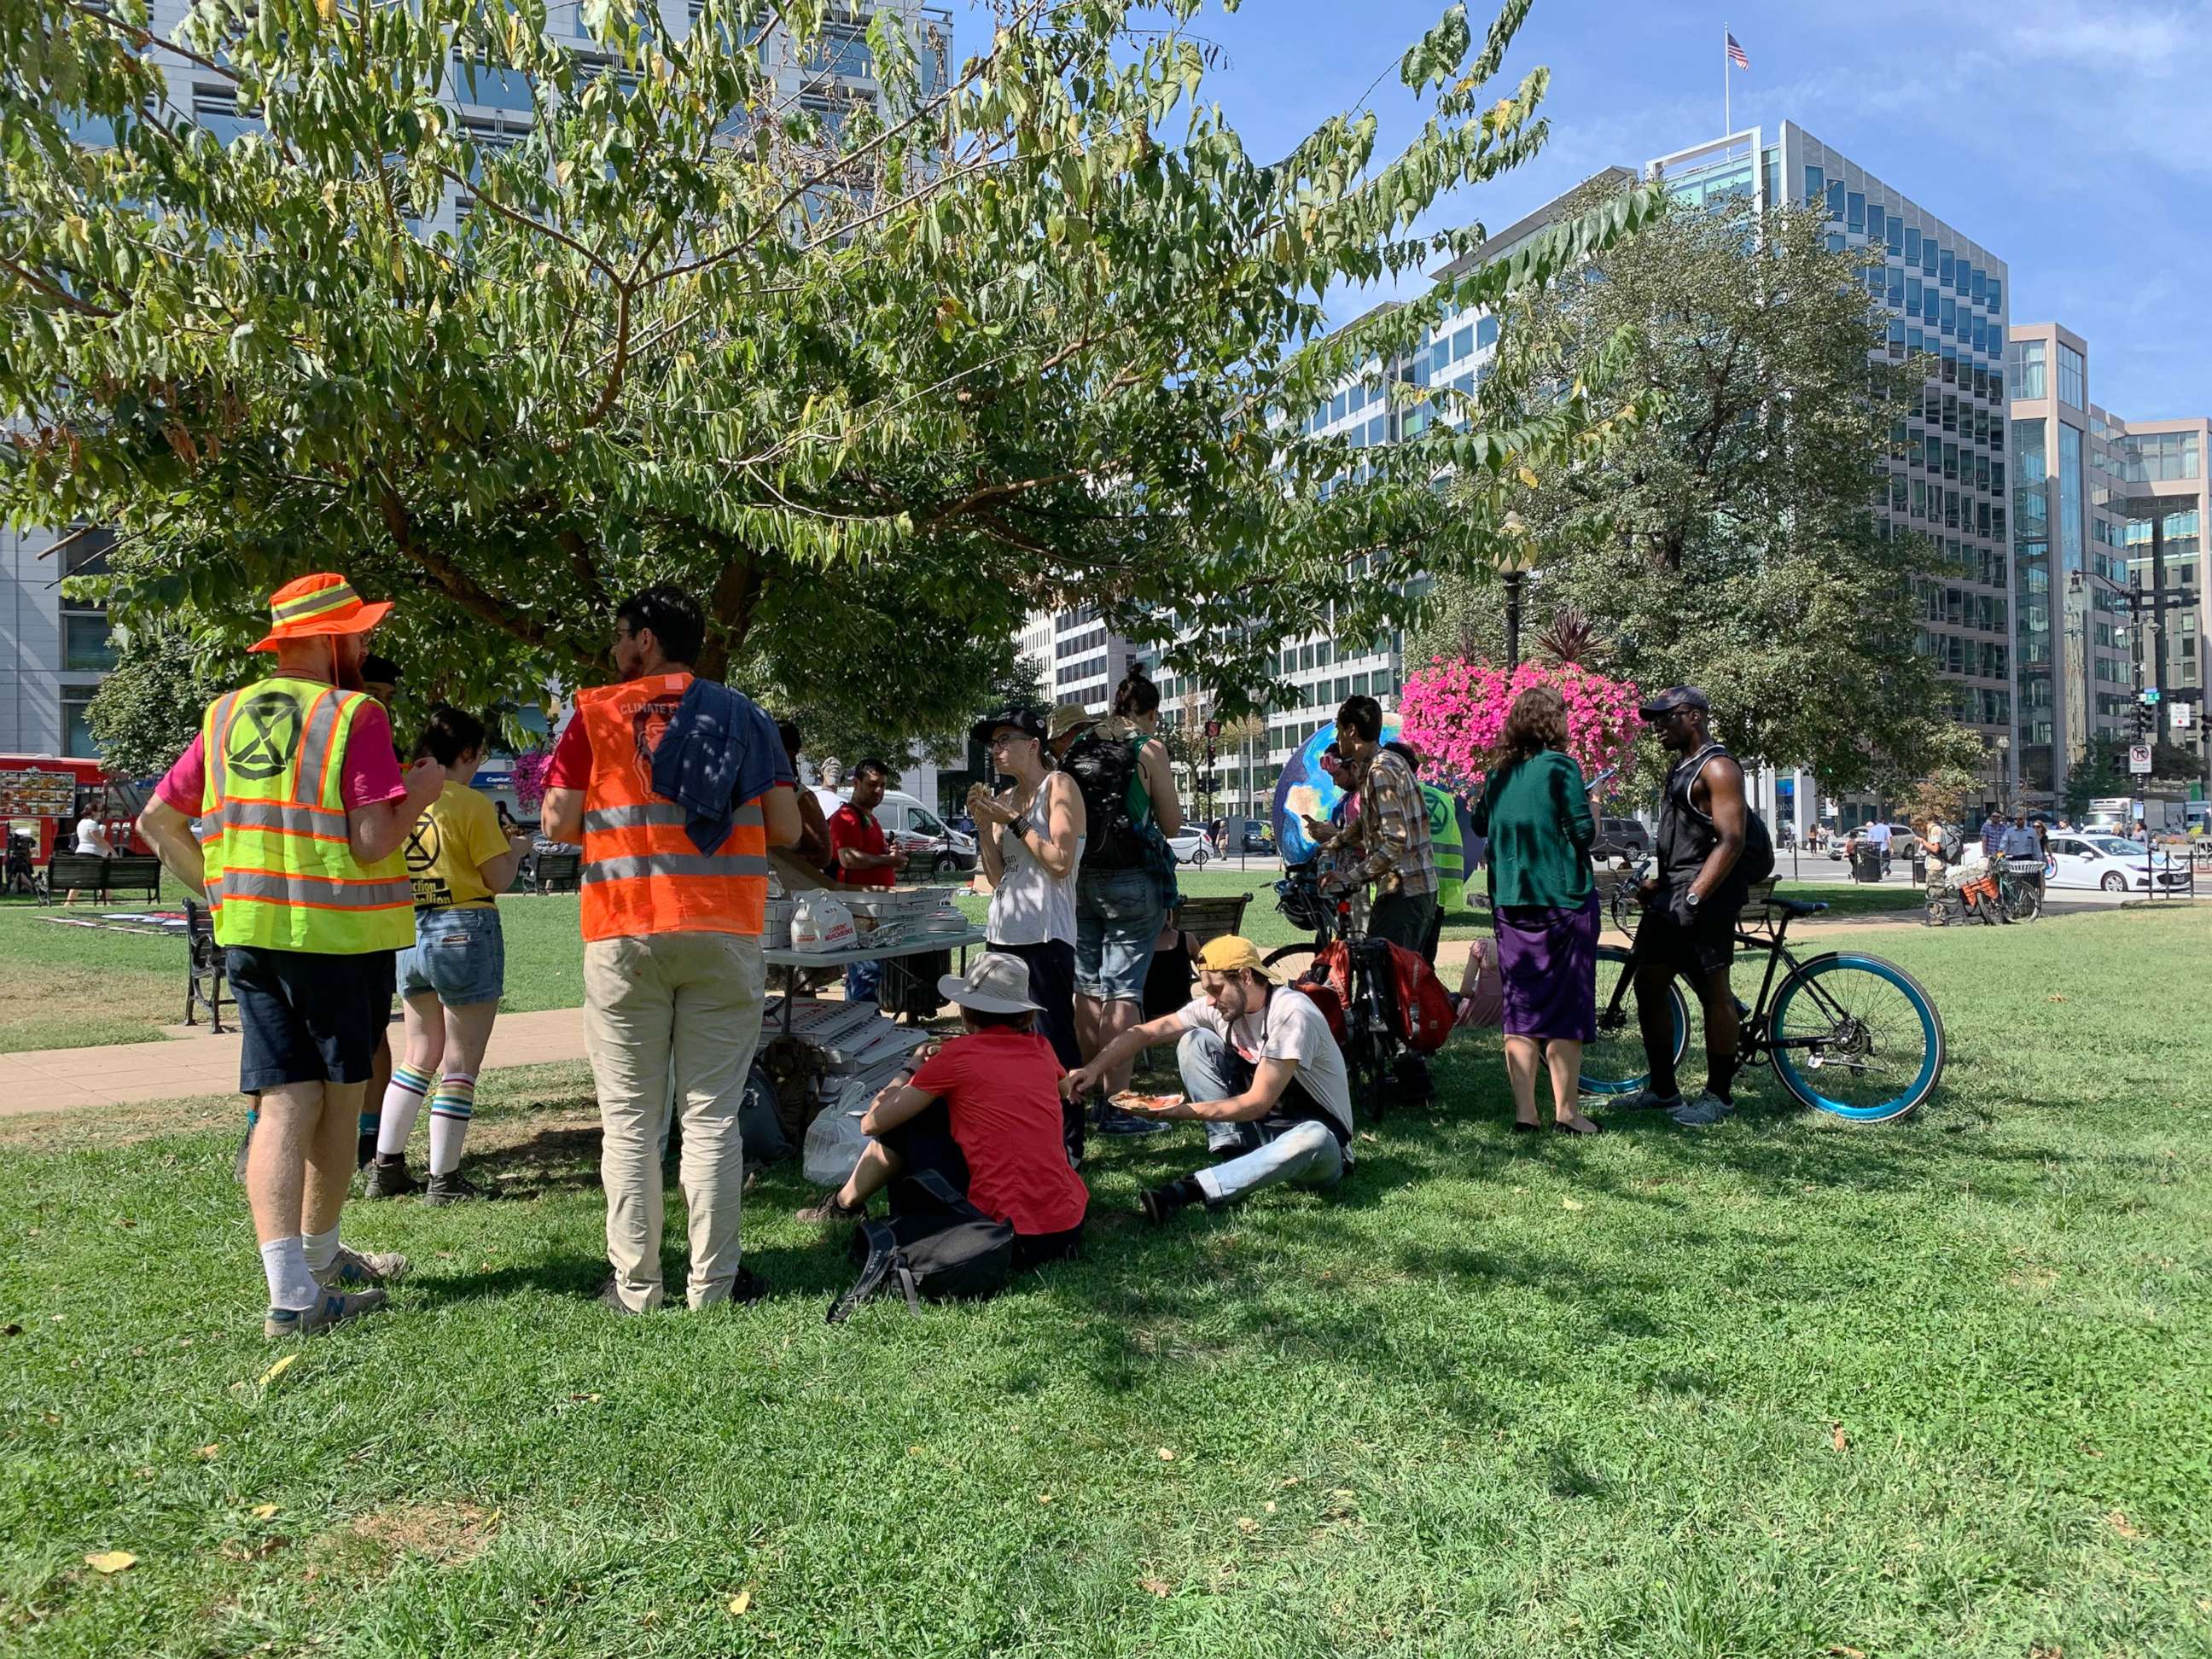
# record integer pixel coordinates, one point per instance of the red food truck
(39, 798)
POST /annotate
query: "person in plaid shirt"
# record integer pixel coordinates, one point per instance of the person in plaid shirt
(1388, 843)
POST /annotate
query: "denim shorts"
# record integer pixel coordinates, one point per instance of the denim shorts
(459, 953)
(1118, 915)
(305, 1017)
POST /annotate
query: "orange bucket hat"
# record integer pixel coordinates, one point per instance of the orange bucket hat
(320, 604)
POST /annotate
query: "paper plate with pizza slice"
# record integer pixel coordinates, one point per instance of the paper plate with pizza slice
(1130, 1101)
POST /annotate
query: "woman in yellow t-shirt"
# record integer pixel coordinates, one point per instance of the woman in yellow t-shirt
(450, 977)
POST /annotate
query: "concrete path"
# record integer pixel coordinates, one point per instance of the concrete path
(198, 1063)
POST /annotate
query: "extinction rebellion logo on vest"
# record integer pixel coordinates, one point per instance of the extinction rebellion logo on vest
(264, 735)
(649, 720)
(1440, 813)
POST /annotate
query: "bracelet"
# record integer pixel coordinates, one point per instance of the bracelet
(1023, 824)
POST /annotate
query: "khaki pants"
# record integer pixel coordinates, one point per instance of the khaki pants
(680, 1009)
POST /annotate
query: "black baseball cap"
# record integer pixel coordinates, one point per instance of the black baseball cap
(380, 670)
(1675, 697)
(1027, 721)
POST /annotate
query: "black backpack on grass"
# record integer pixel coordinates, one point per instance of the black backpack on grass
(936, 1246)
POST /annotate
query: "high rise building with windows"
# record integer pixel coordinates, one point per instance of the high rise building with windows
(54, 652)
(1944, 299)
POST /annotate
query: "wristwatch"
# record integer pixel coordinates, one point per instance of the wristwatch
(1692, 898)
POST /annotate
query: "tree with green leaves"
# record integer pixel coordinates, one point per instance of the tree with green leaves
(1728, 540)
(148, 709)
(1040, 333)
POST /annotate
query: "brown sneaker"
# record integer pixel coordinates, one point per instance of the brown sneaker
(830, 1213)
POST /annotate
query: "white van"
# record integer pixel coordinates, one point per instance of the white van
(932, 847)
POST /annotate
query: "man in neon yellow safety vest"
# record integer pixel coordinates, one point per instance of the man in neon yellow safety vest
(303, 813)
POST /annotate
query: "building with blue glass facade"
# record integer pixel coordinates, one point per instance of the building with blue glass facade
(1945, 299)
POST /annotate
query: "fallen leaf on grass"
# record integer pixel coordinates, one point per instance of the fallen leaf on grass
(1573, 1204)
(277, 1370)
(210, 1449)
(1839, 1439)
(262, 1511)
(235, 1549)
(1160, 1587)
(1839, 1651)
(111, 1561)
(2054, 998)
(1166, 1455)
(2121, 1525)
(1044, 1497)
(741, 1602)
(1245, 1523)
(2045, 1651)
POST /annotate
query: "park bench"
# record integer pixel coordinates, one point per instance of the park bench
(1205, 919)
(205, 985)
(89, 873)
(560, 872)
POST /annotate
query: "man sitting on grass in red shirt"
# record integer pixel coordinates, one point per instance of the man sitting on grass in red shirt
(983, 1112)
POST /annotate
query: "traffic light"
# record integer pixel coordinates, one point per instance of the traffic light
(2146, 720)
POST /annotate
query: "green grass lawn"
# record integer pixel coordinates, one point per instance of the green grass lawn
(1784, 1386)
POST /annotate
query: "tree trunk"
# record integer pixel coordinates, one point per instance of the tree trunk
(730, 611)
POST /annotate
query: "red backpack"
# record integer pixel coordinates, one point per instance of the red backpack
(1323, 996)
(1423, 1005)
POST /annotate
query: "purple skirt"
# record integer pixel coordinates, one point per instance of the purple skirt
(1547, 962)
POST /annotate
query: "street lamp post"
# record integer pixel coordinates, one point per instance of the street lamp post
(1513, 565)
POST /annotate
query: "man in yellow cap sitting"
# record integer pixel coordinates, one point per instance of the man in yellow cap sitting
(304, 813)
(1261, 1070)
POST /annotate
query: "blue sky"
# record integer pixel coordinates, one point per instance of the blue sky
(2073, 138)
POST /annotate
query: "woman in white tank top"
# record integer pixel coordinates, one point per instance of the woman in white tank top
(1030, 840)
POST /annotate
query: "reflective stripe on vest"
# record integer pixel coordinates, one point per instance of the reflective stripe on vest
(281, 872)
(641, 873)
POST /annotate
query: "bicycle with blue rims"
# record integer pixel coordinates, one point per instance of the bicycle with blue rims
(1846, 1032)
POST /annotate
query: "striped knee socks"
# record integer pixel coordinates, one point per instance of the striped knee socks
(451, 1108)
(402, 1100)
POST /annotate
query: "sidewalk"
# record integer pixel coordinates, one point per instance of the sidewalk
(197, 1063)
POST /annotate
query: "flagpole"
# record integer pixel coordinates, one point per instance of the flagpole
(1727, 118)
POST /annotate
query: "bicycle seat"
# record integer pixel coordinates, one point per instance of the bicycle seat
(1797, 908)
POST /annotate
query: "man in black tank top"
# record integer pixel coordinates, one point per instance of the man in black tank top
(1691, 905)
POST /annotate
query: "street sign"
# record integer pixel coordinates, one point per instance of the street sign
(2150, 695)
(2139, 759)
(1213, 730)
(2183, 716)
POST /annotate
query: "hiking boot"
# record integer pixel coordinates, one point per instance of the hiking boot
(830, 1213)
(389, 1178)
(335, 1308)
(1644, 1100)
(1158, 1203)
(451, 1188)
(354, 1268)
(746, 1288)
(1705, 1110)
(611, 1298)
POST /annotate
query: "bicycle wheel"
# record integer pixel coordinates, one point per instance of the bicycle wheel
(1857, 1036)
(1289, 962)
(1614, 1063)
(2023, 903)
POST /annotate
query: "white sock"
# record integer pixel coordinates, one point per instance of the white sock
(451, 1108)
(290, 1284)
(321, 1250)
(403, 1099)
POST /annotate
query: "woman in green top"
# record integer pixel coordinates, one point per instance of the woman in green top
(1537, 814)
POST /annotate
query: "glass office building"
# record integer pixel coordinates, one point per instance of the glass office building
(1943, 296)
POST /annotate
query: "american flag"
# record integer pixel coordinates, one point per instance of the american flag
(1737, 54)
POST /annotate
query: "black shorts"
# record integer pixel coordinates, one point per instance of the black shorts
(307, 1017)
(1706, 946)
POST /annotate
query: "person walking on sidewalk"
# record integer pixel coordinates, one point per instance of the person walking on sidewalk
(305, 810)
(675, 788)
(451, 978)
(1691, 907)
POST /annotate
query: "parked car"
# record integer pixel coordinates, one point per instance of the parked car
(1192, 847)
(2110, 862)
(930, 847)
(1246, 835)
(1623, 838)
